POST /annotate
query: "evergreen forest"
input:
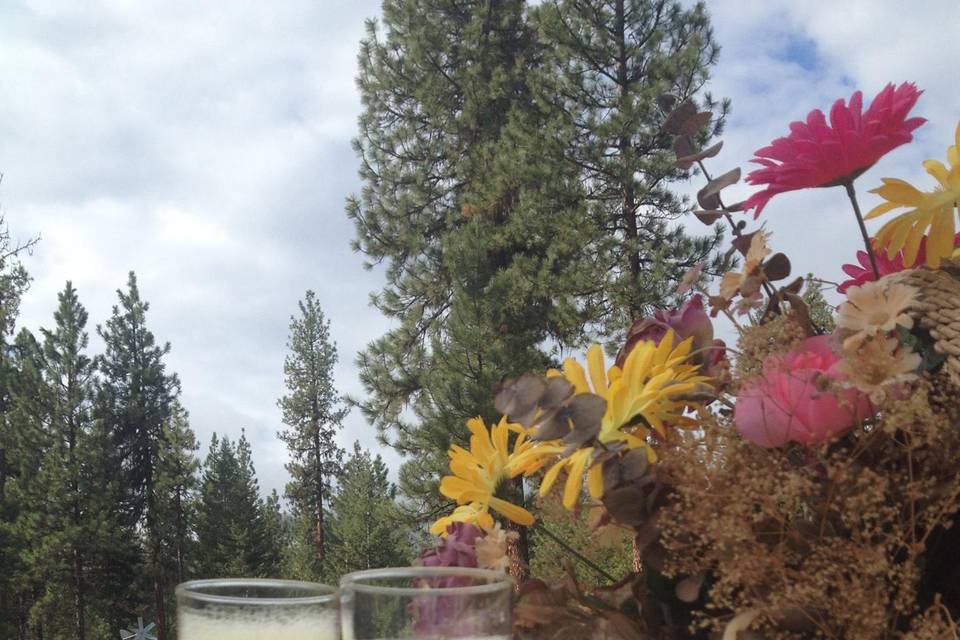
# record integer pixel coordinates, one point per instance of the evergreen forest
(521, 200)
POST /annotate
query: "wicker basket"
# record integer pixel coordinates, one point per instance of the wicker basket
(937, 309)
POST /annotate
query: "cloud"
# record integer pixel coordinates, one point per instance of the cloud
(206, 146)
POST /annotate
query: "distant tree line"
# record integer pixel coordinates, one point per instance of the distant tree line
(105, 504)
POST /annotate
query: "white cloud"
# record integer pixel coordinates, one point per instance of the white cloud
(206, 146)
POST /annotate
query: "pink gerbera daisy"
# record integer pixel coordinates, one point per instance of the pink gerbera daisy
(863, 272)
(817, 154)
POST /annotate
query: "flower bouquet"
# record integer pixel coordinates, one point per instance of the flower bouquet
(802, 484)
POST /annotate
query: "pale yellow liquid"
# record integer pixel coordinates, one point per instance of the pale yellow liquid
(194, 626)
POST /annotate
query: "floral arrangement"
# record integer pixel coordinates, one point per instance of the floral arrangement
(804, 484)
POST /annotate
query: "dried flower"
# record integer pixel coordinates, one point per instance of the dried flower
(456, 549)
(690, 321)
(792, 400)
(878, 364)
(875, 308)
(492, 549)
(816, 154)
(748, 282)
(931, 212)
(690, 279)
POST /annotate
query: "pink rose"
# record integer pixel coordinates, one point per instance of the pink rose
(794, 400)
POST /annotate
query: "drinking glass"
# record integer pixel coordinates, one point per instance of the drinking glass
(256, 610)
(426, 602)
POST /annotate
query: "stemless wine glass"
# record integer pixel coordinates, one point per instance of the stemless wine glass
(426, 602)
(256, 610)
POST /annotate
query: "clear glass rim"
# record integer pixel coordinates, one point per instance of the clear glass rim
(496, 581)
(193, 590)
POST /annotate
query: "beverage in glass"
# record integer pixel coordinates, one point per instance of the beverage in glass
(256, 610)
(430, 603)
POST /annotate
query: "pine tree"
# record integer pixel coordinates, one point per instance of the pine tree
(135, 397)
(479, 226)
(14, 450)
(64, 479)
(28, 419)
(313, 414)
(607, 63)
(233, 532)
(367, 527)
(177, 484)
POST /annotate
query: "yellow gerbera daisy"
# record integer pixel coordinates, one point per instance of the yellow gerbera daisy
(644, 393)
(478, 472)
(929, 210)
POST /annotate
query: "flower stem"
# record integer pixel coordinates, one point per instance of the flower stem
(848, 185)
(576, 554)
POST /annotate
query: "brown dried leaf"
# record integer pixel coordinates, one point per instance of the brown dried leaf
(742, 242)
(688, 589)
(708, 217)
(736, 207)
(721, 182)
(682, 146)
(777, 267)
(586, 411)
(625, 504)
(800, 312)
(680, 114)
(794, 287)
(634, 464)
(708, 200)
(557, 391)
(694, 123)
(686, 160)
(519, 399)
(554, 427)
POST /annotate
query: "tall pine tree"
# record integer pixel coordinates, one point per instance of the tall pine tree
(367, 527)
(313, 412)
(15, 443)
(479, 227)
(607, 63)
(135, 397)
(66, 475)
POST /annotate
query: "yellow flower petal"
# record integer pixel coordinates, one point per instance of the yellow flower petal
(575, 376)
(595, 481)
(595, 366)
(512, 512)
(571, 491)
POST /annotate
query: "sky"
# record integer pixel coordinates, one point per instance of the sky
(206, 146)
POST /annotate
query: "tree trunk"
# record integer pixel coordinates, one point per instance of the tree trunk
(3, 474)
(628, 208)
(519, 548)
(318, 488)
(78, 596)
(180, 532)
(519, 552)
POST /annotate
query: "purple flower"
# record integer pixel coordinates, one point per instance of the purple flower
(690, 321)
(458, 549)
(436, 612)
